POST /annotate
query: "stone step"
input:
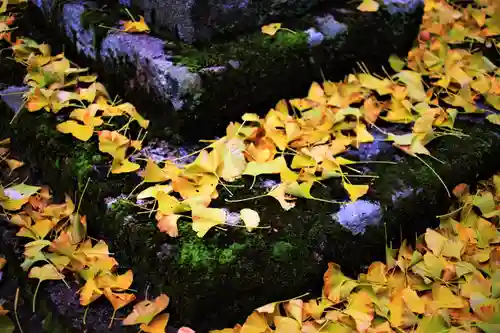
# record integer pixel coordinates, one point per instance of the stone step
(217, 280)
(180, 87)
(201, 20)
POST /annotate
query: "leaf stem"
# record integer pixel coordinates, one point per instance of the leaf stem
(247, 199)
(34, 295)
(16, 300)
(435, 173)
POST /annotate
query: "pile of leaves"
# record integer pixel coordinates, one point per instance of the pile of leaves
(302, 139)
(450, 282)
(59, 247)
(6, 325)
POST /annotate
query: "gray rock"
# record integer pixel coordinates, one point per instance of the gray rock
(402, 6)
(315, 37)
(83, 39)
(13, 97)
(356, 216)
(329, 26)
(154, 71)
(209, 85)
(200, 20)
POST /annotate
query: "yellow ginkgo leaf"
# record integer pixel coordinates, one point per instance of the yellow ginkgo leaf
(13, 164)
(360, 308)
(113, 281)
(124, 166)
(271, 167)
(233, 159)
(16, 196)
(130, 109)
(286, 325)
(90, 292)
(168, 204)
(152, 191)
(206, 218)
(271, 29)
(279, 193)
(158, 325)
(362, 135)
(413, 81)
(81, 132)
(435, 241)
(256, 322)
(168, 224)
(250, 217)
(413, 301)
(355, 191)
(118, 300)
(494, 118)
(3, 262)
(43, 273)
(135, 26)
(443, 297)
(153, 173)
(368, 6)
(145, 311)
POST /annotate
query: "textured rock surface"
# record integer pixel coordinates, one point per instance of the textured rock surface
(179, 86)
(201, 20)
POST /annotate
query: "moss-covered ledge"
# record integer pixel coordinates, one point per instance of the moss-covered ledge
(180, 86)
(217, 280)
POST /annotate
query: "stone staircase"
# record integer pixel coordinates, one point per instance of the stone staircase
(190, 86)
(182, 85)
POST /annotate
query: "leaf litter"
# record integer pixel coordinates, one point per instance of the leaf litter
(430, 88)
(449, 282)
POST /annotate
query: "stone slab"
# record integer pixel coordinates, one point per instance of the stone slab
(216, 281)
(180, 86)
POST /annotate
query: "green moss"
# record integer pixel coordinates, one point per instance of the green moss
(230, 255)
(244, 47)
(282, 251)
(81, 168)
(195, 255)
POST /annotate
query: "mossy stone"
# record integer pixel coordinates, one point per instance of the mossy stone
(236, 75)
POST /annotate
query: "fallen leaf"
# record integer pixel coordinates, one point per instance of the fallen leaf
(3, 262)
(79, 131)
(435, 241)
(271, 29)
(157, 325)
(205, 218)
(168, 224)
(355, 191)
(145, 311)
(250, 217)
(135, 26)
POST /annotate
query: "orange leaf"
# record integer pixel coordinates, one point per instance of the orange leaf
(146, 310)
(135, 26)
